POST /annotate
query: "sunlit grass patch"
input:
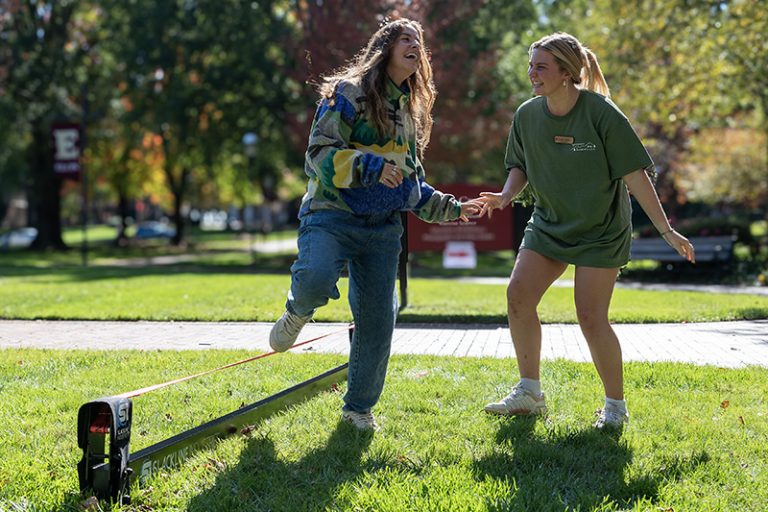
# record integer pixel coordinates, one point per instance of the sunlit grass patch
(695, 441)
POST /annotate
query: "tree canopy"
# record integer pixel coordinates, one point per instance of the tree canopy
(167, 89)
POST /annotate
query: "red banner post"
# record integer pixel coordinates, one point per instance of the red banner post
(66, 150)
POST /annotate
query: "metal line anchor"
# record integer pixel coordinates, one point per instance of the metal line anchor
(104, 433)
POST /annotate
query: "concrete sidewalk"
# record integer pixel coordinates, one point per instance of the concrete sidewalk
(725, 344)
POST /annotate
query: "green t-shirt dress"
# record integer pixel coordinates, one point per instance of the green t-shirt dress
(574, 165)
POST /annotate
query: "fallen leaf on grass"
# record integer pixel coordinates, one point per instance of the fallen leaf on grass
(90, 504)
(246, 430)
(215, 464)
(724, 404)
(741, 420)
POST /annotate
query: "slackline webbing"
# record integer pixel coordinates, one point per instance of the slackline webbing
(137, 392)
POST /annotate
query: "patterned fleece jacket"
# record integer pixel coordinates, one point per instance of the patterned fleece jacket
(345, 157)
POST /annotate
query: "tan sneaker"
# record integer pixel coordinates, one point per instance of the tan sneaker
(361, 420)
(519, 402)
(285, 331)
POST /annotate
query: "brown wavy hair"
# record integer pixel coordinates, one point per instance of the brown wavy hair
(576, 59)
(368, 69)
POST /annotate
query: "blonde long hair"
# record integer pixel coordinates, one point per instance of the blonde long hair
(575, 58)
(369, 70)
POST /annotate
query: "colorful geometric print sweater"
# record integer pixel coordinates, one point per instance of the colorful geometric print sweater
(345, 157)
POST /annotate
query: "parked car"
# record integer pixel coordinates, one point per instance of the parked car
(154, 229)
(18, 238)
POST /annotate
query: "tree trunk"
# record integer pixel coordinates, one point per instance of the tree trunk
(122, 211)
(44, 192)
(179, 189)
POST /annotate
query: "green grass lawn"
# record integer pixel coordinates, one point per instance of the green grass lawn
(203, 246)
(696, 440)
(241, 293)
(219, 279)
(94, 234)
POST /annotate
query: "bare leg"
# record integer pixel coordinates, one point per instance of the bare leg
(531, 277)
(592, 293)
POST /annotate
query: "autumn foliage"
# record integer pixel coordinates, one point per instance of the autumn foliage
(470, 120)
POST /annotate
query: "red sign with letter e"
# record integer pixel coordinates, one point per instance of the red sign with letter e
(486, 235)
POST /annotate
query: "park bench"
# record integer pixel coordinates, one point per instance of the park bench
(709, 249)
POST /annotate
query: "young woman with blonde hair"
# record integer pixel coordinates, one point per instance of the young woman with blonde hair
(579, 157)
(363, 162)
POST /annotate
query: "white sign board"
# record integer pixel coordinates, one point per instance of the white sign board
(459, 255)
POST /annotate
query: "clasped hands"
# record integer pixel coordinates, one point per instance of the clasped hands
(484, 205)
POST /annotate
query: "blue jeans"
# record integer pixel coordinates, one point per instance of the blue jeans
(370, 245)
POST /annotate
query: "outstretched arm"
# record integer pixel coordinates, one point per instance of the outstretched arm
(516, 182)
(640, 186)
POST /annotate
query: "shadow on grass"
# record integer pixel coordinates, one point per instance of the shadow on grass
(572, 470)
(260, 265)
(750, 314)
(702, 273)
(263, 481)
(493, 320)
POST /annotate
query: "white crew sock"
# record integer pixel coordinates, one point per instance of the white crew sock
(616, 405)
(534, 386)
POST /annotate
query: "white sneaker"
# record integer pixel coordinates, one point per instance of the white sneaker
(285, 331)
(361, 420)
(611, 419)
(519, 402)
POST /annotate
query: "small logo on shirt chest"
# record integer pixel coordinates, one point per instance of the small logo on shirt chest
(568, 140)
(583, 146)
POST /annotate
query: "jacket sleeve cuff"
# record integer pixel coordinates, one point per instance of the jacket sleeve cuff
(372, 165)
